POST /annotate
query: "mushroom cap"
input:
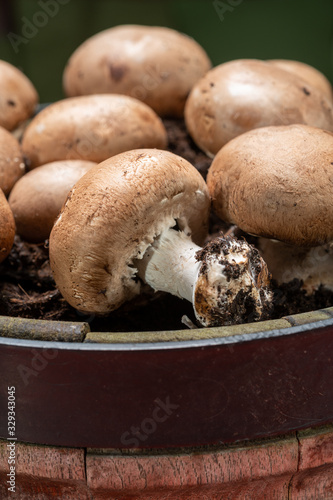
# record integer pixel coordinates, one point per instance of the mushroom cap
(91, 128)
(244, 94)
(18, 96)
(113, 214)
(38, 196)
(157, 65)
(7, 227)
(276, 182)
(11, 161)
(310, 74)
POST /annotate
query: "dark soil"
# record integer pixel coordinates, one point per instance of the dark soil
(27, 289)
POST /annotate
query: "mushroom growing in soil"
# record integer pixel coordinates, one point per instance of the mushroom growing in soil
(91, 128)
(141, 216)
(38, 196)
(245, 94)
(157, 65)
(310, 74)
(276, 183)
(7, 227)
(11, 161)
(18, 96)
(312, 267)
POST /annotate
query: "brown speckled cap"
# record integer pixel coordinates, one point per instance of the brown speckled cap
(11, 161)
(310, 74)
(113, 214)
(18, 96)
(276, 182)
(38, 196)
(7, 227)
(91, 128)
(157, 65)
(244, 94)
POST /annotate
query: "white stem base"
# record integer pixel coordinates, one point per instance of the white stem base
(169, 265)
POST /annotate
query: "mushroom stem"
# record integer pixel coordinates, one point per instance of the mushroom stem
(170, 265)
(312, 266)
(226, 281)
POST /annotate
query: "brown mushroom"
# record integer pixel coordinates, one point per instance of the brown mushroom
(91, 128)
(310, 74)
(7, 227)
(276, 183)
(143, 214)
(11, 161)
(38, 196)
(157, 65)
(18, 96)
(241, 95)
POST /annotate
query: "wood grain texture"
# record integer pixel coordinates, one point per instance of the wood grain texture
(315, 448)
(314, 479)
(231, 473)
(44, 472)
(289, 468)
(313, 484)
(45, 489)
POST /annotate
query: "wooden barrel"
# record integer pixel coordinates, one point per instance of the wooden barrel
(294, 467)
(234, 412)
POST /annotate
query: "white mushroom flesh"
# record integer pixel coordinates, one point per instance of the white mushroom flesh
(171, 256)
(312, 266)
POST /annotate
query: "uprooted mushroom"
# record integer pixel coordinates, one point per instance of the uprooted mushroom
(277, 183)
(140, 216)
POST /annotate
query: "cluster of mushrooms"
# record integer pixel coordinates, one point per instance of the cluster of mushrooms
(92, 172)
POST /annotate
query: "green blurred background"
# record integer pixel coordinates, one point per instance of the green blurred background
(39, 36)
